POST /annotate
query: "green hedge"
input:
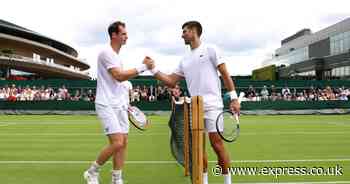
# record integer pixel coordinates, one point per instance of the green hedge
(295, 105)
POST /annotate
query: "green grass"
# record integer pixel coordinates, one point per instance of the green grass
(79, 138)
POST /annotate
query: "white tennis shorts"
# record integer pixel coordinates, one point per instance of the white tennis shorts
(210, 120)
(114, 120)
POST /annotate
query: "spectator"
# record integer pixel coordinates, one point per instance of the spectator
(300, 97)
(151, 96)
(286, 91)
(52, 94)
(19, 93)
(176, 94)
(46, 94)
(63, 93)
(264, 93)
(136, 94)
(91, 96)
(2, 94)
(144, 93)
(251, 94)
(77, 96)
(84, 97)
(161, 93)
(273, 90)
(343, 96)
(294, 94)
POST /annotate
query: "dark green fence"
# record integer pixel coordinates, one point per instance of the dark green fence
(295, 105)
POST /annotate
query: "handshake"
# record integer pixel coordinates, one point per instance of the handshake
(150, 65)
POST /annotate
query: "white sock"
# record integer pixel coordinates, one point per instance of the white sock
(227, 178)
(94, 168)
(117, 174)
(205, 178)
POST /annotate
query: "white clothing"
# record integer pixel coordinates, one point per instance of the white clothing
(199, 68)
(109, 91)
(114, 119)
(112, 96)
(210, 120)
(128, 86)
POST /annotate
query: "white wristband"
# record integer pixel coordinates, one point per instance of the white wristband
(154, 70)
(141, 68)
(233, 95)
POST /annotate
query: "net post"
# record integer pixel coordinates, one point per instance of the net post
(186, 140)
(197, 140)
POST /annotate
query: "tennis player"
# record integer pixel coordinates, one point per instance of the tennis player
(199, 67)
(111, 103)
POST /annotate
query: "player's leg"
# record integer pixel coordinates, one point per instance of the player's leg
(116, 144)
(205, 167)
(217, 143)
(119, 156)
(219, 148)
(222, 155)
(108, 119)
(111, 124)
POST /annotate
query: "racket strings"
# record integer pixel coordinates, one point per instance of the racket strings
(137, 118)
(230, 130)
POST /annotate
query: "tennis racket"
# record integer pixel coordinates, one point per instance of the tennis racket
(138, 118)
(227, 124)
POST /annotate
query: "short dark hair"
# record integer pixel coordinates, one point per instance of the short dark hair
(194, 24)
(114, 27)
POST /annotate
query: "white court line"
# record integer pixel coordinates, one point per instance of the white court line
(169, 161)
(296, 133)
(6, 124)
(76, 134)
(311, 182)
(150, 134)
(77, 122)
(46, 123)
(339, 123)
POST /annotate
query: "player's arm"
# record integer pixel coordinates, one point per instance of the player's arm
(114, 69)
(230, 86)
(123, 75)
(169, 80)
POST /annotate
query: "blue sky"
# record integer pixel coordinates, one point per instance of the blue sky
(247, 32)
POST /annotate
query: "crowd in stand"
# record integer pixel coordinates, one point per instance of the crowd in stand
(294, 94)
(14, 93)
(150, 93)
(157, 93)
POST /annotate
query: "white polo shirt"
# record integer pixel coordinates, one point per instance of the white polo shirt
(128, 86)
(109, 91)
(199, 68)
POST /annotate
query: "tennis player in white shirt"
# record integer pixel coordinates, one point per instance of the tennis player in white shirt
(112, 99)
(199, 67)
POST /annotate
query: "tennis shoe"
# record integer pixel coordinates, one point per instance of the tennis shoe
(91, 178)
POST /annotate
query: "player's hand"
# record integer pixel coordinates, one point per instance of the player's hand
(235, 107)
(149, 62)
